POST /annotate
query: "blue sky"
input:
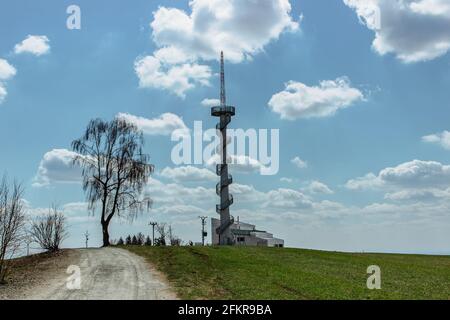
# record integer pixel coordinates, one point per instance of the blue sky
(370, 100)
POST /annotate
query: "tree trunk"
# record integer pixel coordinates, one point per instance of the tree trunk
(105, 234)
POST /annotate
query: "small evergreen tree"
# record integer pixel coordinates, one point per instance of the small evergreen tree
(128, 240)
(148, 242)
(134, 241)
(120, 242)
(140, 239)
(160, 242)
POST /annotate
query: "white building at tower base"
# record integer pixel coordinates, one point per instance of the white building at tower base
(245, 234)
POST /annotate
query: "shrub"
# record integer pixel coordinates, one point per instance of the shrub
(49, 231)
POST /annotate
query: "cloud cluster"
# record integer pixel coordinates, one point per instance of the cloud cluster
(289, 209)
(57, 167)
(299, 163)
(317, 187)
(238, 163)
(369, 181)
(413, 180)
(241, 28)
(165, 124)
(417, 173)
(298, 100)
(413, 30)
(36, 45)
(210, 102)
(188, 174)
(154, 73)
(7, 71)
(177, 201)
(283, 198)
(75, 212)
(442, 139)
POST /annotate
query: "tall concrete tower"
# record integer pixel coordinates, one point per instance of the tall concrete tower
(225, 113)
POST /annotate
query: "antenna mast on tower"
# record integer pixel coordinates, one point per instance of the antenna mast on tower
(223, 98)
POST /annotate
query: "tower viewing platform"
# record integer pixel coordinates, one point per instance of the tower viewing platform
(223, 111)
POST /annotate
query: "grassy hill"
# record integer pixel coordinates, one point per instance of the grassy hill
(273, 273)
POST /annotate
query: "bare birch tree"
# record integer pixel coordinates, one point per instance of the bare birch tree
(115, 169)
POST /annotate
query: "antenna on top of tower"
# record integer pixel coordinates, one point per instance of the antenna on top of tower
(223, 99)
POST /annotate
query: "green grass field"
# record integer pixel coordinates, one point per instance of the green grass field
(273, 273)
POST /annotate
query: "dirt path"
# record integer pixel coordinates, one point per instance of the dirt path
(106, 274)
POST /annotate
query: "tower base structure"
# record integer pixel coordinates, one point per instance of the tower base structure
(245, 234)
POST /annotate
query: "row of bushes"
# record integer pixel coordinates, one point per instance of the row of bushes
(165, 236)
(135, 240)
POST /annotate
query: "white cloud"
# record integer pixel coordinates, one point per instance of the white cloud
(413, 30)
(57, 167)
(298, 100)
(240, 28)
(189, 174)
(369, 181)
(418, 194)
(154, 73)
(210, 102)
(165, 124)
(238, 163)
(287, 180)
(182, 211)
(244, 193)
(432, 7)
(414, 180)
(245, 164)
(75, 207)
(75, 212)
(287, 198)
(417, 173)
(7, 71)
(442, 139)
(289, 213)
(316, 187)
(37, 45)
(299, 163)
(169, 194)
(3, 93)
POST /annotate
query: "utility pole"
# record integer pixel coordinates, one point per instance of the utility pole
(153, 224)
(204, 233)
(28, 241)
(86, 234)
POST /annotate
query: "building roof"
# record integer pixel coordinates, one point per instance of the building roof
(240, 232)
(244, 232)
